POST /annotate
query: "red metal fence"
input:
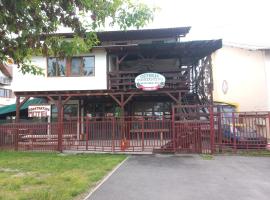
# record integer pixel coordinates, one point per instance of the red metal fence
(129, 134)
(243, 130)
(215, 133)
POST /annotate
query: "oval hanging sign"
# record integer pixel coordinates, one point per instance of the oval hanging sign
(150, 81)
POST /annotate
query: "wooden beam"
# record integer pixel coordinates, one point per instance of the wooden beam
(66, 100)
(121, 59)
(51, 99)
(173, 98)
(117, 101)
(98, 93)
(23, 102)
(127, 100)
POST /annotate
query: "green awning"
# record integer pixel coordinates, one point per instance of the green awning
(12, 107)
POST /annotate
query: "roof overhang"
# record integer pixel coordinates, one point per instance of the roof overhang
(190, 51)
(140, 34)
(143, 34)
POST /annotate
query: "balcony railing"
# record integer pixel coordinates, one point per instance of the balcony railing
(125, 80)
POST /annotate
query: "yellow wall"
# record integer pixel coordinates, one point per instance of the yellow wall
(246, 73)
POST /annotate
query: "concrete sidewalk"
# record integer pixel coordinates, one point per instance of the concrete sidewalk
(188, 177)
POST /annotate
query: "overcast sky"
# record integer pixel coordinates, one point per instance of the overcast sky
(236, 21)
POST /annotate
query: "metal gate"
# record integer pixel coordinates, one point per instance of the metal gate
(122, 134)
(192, 129)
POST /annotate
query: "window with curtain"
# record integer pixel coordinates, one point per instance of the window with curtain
(76, 66)
(83, 66)
(56, 67)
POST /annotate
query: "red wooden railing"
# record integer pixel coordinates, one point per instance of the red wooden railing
(125, 80)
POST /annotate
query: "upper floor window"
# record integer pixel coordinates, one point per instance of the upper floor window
(57, 67)
(5, 80)
(5, 93)
(82, 66)
(76, 66)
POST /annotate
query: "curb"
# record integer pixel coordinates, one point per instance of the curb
(104, 179)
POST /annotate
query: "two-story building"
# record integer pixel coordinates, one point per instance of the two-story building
(135, 74)
(102, 82)
(136, 90)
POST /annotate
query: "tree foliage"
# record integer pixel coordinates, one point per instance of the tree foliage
(22, 22)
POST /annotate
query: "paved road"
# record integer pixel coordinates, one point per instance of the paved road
(163, 177)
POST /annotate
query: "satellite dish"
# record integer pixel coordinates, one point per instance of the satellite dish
(225, 87)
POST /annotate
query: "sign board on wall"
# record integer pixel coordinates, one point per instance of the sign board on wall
(150, 81)
(39, 110)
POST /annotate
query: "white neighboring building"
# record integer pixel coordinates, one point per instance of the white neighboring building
(6, 94)
(241, 76)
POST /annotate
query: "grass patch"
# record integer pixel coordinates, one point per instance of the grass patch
(207, 157)
(48, 176)
(258, 153)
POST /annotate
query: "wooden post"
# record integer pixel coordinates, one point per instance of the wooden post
(122, 115)
(117, 75)
(180, 98)
(143, 134)
(220, 130)
(113, 134)
(87, 133)
(234, 133)
(173, 129)
(212, 130)
(122, 102)
(80, 119)
(211, 80)
(122, 105)
(60, 123)
(17, 119)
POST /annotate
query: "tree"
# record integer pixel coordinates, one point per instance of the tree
(22, 22)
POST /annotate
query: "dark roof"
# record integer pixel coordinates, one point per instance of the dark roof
(190, 51)
(143, 34)
(134, 34)
(12, 108)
